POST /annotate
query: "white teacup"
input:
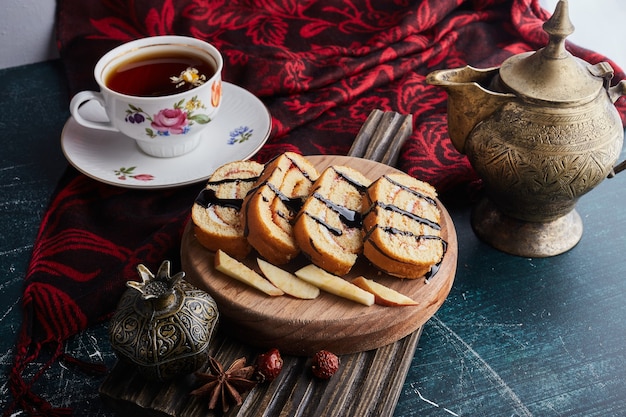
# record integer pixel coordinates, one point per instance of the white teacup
(133, 79)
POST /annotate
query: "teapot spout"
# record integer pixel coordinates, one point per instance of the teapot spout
(470, 99)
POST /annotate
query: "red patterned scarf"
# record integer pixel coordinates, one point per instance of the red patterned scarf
(319, 66)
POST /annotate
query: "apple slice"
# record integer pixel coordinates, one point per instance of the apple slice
(237, 270)
(384, 295)
(287, 281)
(334, 284)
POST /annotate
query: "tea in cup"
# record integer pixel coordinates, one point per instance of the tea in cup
(160, 91)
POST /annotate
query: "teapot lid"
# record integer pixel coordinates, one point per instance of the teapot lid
(552, 73)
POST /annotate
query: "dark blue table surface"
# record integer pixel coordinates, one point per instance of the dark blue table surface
(516, 336)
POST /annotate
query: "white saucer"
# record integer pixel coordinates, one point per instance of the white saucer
(114, 159)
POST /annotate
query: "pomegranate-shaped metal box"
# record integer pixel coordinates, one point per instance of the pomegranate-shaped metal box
(163, 325)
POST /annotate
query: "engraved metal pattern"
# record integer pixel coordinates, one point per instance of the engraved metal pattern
(164, 336)
(536, 162)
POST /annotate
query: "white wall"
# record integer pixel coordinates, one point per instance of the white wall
(26, 29)
(26, 32)
(599, 26)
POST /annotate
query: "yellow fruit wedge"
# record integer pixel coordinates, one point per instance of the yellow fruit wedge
(384, 295)
(237, 270)
(334, 284)
(287, 281)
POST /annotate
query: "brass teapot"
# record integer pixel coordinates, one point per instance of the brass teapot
(540, 131)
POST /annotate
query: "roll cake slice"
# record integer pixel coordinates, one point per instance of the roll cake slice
(328, 227)
(269, 209)
(401, 226)
(215, 213)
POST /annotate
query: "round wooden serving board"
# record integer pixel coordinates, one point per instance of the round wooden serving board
(301, 327)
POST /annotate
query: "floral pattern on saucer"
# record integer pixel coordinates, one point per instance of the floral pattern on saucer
(240, 135)
(124, 173)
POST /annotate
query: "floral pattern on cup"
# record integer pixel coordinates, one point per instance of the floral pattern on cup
(216, 93)
(172, 121)
(240, 135)
(125, 173)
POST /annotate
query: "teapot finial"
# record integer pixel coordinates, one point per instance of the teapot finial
(552, 74)
(558, 27)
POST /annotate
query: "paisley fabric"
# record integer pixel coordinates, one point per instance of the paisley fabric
(320, 66)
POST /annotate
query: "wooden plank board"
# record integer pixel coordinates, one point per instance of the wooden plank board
(367, 384)
(301, 327)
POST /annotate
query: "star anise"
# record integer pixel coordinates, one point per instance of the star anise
(227, 386)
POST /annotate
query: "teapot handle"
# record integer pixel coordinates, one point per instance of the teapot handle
(617, 169)
(617, 91)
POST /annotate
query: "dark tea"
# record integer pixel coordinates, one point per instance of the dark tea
(153, 75)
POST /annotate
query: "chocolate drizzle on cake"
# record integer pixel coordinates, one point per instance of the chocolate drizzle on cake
(292, 203)
(269, 208)
(350, 218)
(216, 211)
(231, 180)
(302, 171)
(334, 230)
(328, 228)
(358, 186)
(426, 198)
(435, 268)
(396, 209)
(208, 196)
